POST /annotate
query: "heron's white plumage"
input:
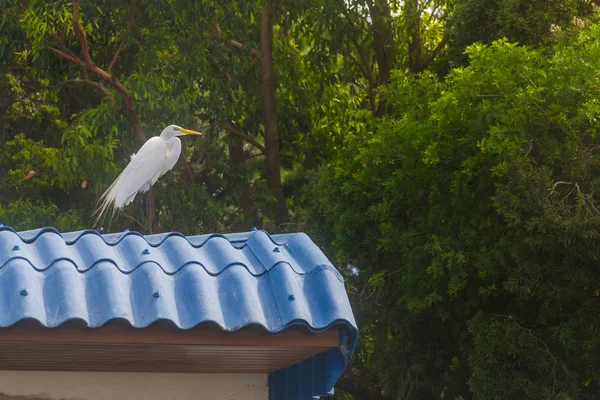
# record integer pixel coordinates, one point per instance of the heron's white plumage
(156, 157)
(137, 177)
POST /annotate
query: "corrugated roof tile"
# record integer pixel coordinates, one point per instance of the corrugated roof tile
(233, 280)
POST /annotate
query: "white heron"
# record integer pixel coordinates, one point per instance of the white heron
(157, 156)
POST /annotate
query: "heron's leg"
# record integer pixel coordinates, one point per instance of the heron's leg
(142, 212)
(149, 210)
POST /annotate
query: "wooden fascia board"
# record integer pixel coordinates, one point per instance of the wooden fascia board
(118, 332)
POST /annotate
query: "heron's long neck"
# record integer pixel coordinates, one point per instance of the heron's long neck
(174, 144)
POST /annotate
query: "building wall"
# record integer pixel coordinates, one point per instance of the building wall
(34, 385)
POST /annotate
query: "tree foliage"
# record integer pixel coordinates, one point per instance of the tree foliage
(528, 23)
(475, 223)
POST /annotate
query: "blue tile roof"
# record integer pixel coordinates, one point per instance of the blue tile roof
(233, 280)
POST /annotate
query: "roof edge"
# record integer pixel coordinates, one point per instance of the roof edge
(30, 236)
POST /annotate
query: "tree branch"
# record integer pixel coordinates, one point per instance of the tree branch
(367, 71)
(240, 46)
(435, 8)
(288, 35)
(365, 67)
(129, 25)
(433, 53)
(66, 50)
(218, 68)
(10, 14)
(129, 109)
(382, 36)
(97, 85)
(134, 220)
(365, 22)
(243, 135)
(81, 34)
(237, 45)
(103, 74)
(74, 60)
(188, 167)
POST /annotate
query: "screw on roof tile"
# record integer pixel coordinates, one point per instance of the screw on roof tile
(16, 248)
(23, 292)
(146, 251)
(276, 250)
(291, 297)
(156, 294)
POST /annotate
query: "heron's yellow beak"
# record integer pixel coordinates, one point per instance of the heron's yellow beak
(188, 131)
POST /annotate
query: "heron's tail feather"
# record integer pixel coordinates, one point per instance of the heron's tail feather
(106, 200)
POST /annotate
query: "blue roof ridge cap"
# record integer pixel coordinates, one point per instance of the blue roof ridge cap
(126, 233)
(303, 236)
(327, 267)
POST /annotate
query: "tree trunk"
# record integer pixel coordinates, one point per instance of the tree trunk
(413, 22)
(267, 74)
(131, 114)
(238, 157)
(382, 37)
